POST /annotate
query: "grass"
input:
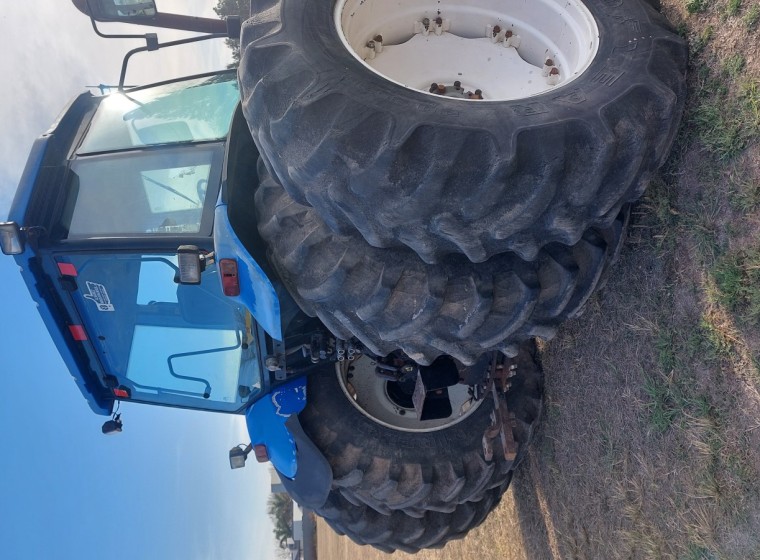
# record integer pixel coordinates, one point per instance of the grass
(662, 405)
(752, 16)
(697, 6)
(701, 40)
(737, 276)
(733, 7)
(744, 193)
(733, 65)
(724, 114)
(667, 354)
(698, 552)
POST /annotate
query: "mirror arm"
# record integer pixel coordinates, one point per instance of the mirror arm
(152, 46)
(101, 34)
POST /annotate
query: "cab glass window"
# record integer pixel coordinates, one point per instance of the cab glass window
(193, 110)
(158, 191)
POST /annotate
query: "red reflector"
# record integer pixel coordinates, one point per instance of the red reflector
(121, 392)
(230, 281)
(260, 450)
(77, 331)
(67, 269)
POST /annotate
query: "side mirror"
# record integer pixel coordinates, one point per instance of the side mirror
(127, 11)
(144, 12)
(11, 239)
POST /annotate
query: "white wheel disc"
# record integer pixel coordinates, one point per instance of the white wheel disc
(492, 50)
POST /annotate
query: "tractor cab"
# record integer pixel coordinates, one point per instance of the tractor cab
(112, 198)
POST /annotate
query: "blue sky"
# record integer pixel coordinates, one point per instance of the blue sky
(163, 488)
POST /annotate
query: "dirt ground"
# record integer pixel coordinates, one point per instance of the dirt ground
(649, 445)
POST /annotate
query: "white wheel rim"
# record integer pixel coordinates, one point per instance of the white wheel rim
(368, 393)
(469, 44)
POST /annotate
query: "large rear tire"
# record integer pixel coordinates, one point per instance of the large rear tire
(389, 299)
(441, 175)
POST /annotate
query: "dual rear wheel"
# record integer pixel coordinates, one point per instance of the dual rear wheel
(446, 178)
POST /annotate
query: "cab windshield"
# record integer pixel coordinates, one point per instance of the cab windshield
(167, 343)
(195, 110)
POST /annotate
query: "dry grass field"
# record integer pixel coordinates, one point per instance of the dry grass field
(649, 446)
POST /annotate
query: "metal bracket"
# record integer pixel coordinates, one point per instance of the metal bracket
(502, 421)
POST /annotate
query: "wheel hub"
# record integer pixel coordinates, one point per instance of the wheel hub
(390, 404)
(503, 49)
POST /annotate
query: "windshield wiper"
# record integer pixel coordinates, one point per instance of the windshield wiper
(171, 190)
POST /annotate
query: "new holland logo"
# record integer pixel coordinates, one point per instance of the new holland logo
(98, 294)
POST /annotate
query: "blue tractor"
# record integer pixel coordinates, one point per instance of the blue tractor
(135, 230)
(209, 243)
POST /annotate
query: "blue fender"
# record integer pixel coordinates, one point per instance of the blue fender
(266, 424)
(257, 294)
(273, 421)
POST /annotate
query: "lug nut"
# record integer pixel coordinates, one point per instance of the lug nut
(496, 30)
(553, 78)
(548, 65)
(511, 39)
(441, 89)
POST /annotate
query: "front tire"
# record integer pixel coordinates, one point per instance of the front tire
(399, 531)
(382, 457)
